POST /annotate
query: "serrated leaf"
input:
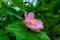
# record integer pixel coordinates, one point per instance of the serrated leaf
(25, 34)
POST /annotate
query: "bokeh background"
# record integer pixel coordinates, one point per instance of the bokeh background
(11, 19)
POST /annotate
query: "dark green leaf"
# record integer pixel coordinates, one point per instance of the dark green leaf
(11, 11)
(3, 36)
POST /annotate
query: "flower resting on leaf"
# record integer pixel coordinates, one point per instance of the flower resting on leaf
(32, 23)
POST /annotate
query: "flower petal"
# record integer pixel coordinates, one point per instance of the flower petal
(31, 26)
(30, 16)
(39, 24)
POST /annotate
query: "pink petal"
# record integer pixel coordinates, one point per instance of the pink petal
(30, 16)
(39, 24)
(29, 25)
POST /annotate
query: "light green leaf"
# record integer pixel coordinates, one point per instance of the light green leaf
(43, 36)
(0, 4)
(26, 34)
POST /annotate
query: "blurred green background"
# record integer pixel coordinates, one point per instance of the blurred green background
(11, 19)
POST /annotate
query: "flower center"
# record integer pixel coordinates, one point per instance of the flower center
(32, 21)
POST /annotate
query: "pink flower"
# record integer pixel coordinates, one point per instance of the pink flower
(32, 23)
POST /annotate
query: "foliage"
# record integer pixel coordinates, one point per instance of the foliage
(3, 36)
(11, 20)
(22, 33)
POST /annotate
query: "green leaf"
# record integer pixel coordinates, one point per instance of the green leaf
(11, 11)
(17, 29)
(3, 36)
(43, 36)
(19, 3)
(57, 29)
(22, 33)
(0, 4)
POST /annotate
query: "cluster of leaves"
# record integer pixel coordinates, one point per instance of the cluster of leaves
(11, 20)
